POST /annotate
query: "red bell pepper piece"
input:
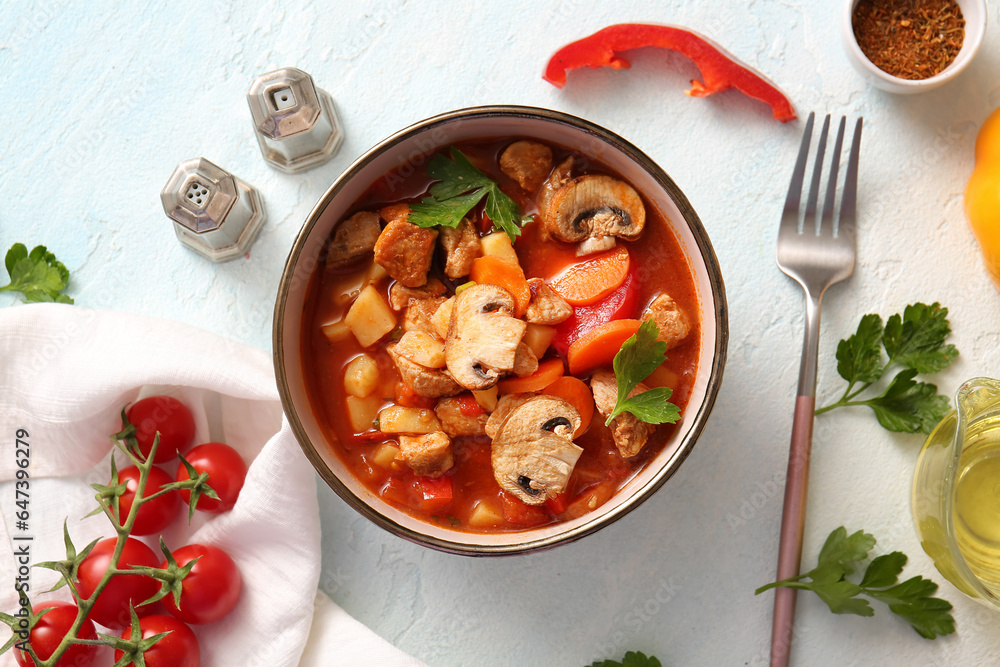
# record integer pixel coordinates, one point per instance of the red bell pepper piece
(620, 304)
(433, 493)
(719, 69)
(521, 514)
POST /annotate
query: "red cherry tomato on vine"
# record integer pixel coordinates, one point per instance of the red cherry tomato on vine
(112, 607)
(178, 649)
(210, 590)
(155, 514)
(226, 473)
(49, 631)
(167, 415)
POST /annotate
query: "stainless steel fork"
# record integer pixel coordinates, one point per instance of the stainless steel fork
(817, 257)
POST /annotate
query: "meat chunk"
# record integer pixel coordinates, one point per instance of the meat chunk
(546, 306)
(455, 422)
(430, 382)
(630, 434)
(355, 238)
(533, 454)
(419, 314)
(559, 177)
(525, 361)
(428, 455)
(400, 295)
(461, 245)
(672, 322)
(527, 162)
(405, 251)
(395, 213)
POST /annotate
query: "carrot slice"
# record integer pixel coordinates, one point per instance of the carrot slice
(599, 346)
(548, 372)
(575, 392)
(493, 270)
(593, 279)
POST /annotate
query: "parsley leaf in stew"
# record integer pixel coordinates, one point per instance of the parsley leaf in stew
(911, 600)
(639, 356)
(38, 275)
(459, 188)
(631, 659)
(914, 341)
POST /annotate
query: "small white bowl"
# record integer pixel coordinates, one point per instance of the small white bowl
(974, 13)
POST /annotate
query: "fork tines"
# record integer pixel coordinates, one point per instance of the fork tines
(805, 219)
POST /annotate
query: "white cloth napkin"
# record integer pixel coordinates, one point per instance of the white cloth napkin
(65, 374)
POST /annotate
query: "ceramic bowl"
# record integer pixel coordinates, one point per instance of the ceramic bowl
(974, 13)
(412, 145)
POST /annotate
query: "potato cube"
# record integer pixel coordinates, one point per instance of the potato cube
(421, 348)
(538, 337)
(487, 398)
(498, 244)
(361, 412)
(361, 376)
(399, 419)
(385, 454)
(441, 318)
(336, 332)
(370, 317)
(485, 515)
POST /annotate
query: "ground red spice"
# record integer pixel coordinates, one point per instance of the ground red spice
(909, 39)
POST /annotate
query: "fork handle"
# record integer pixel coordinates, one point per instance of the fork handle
(796, 486)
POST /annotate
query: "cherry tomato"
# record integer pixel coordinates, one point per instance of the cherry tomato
(169, 417)
(154, 515)
(178, 649)
(112, 607)
(226, 472)
(210, 590)
(50, 630)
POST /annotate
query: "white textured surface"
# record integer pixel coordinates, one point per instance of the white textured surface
(101, 101)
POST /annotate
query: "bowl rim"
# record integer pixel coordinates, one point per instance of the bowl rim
(973, 40)
(719, 309)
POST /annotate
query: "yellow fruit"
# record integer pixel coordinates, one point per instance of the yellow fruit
(988, 140)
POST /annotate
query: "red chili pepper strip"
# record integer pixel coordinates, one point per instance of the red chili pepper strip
(719, 69)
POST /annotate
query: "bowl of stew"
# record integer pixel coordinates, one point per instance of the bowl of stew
(468, 314)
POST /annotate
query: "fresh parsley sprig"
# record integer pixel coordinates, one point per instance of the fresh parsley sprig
(631, 659)
(911, 600)
(38, 275)
(914, 341)
(638, 357)
(459, 188)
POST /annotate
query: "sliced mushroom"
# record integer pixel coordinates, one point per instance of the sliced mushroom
(672, 322)
(594, 205)
(533, 453)
(629, 433)
(461, 246)
(594, 244)
(483, 336)
(527, 162)
(430, 382)
(546, 306)
(354, 238)
(505, 406)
